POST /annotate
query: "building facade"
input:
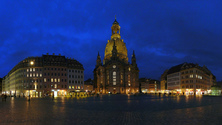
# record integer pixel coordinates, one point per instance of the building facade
(163, 81)
(46, 75)
(116, 74)
(88, 85)
(190, 79)
(149, 85)
(0, 85)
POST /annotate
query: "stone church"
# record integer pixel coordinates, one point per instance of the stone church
(116, 75)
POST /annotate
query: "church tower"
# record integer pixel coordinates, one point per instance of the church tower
(116, 74)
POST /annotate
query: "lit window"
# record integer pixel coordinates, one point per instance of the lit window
(27, 70)
(44, 79)
(31, 75)
(69, 87)
(40, 74)
(129, 79)
(114, 78)
(51, 79)
(129, 69)
(30, 69)
(72, 87)
(78, 87)
(55, 86)
(191, 76)
(114, 66)
(33, 69)
(58, 79)
(37, 75)
(55, 80)
(27, 75)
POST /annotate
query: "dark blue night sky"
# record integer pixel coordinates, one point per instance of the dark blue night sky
(162, 33)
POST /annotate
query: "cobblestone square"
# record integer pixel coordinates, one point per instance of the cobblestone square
(113, 110)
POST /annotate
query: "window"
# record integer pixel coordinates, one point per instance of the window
(37, 75)
(72, 87)
(114, 78)
(40, 75)
(27, 75)
(33, 74)
(128, 79)
(55, 80)
(27, 70)
(191, 76)
(69, 87)
(58, 79)
(55, 86)
(78, 87)
(114, 66)
(30, 69)
(30, 74)
(44, 79)
(33, 69)
(51, 79)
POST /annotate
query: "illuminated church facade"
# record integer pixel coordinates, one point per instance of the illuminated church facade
(116, 74)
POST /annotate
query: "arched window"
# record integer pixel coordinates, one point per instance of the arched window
(114, 78)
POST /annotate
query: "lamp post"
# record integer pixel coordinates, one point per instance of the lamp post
(31, 63)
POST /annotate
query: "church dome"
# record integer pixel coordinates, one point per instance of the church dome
(120, 45)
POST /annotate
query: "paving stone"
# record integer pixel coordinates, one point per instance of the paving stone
(113, 110)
